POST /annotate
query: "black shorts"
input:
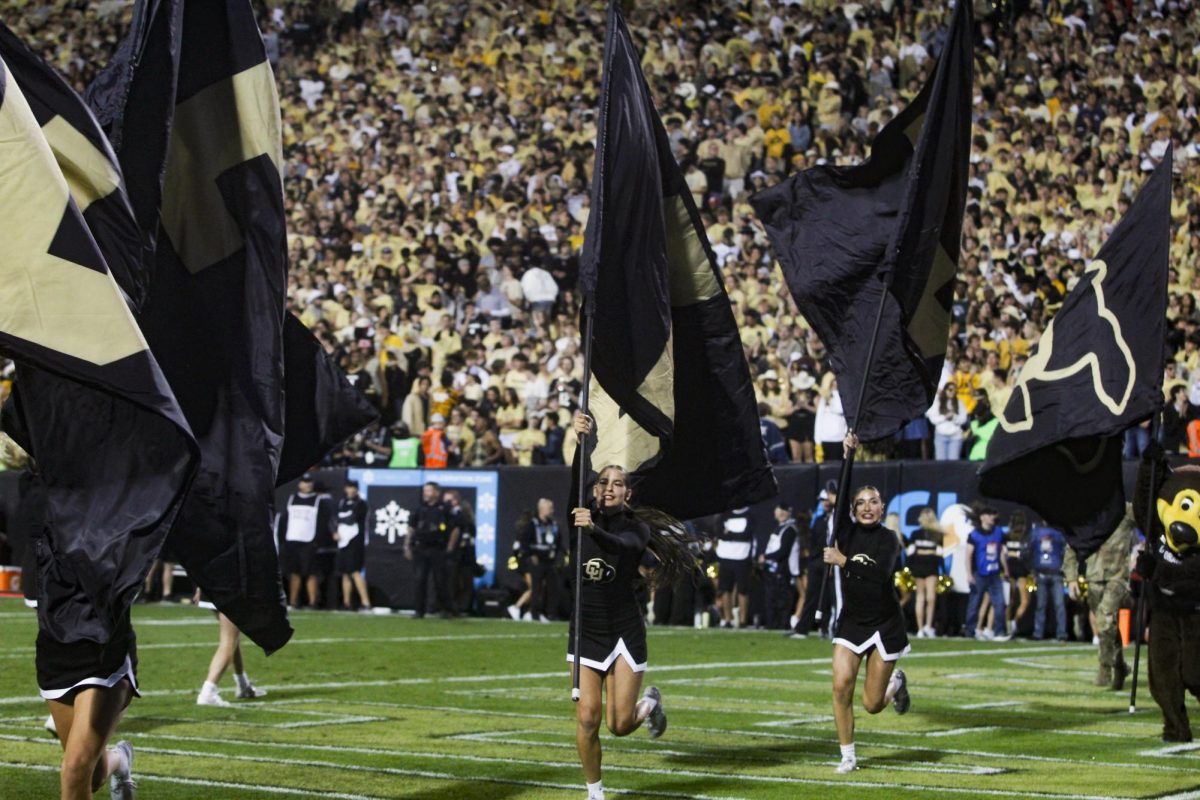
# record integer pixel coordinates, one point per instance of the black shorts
(1017, 569)
(64, 669)
(349, 558)
(889, 637)
(299, 558)
(731, 572)
(605, 638)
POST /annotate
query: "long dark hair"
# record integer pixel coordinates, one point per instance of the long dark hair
(670, 541)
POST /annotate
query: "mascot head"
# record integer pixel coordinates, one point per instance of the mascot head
(1178, 504)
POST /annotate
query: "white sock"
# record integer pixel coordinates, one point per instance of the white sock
(209, 688)
(848, 752)
(596, 790)
(242, 680)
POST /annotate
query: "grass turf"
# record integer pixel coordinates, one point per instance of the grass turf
(388, 707)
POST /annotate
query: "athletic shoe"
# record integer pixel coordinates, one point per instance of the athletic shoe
(249, 692)
(1001, 637)
(983, 635)
(657, 721)
(900, 700)
(848, 765)
(527, 617)
(796, 635)
(726, 623)
(514, 612)
(121, 785)
(543, 619)
(930, 633)
(793, 621)
(212, 699)
(50, 726)
(920, 633)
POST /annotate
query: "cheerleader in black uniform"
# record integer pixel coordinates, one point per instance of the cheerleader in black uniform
(1016, 568)
(618, 543)
(925, 562)
(868, 622)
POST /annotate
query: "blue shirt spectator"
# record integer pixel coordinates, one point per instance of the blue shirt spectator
(1049, 547)
(987, 546)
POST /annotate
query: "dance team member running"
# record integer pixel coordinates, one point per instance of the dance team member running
(618, 542)
(868, 622)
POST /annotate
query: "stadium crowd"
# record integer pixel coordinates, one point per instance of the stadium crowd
(438, 165)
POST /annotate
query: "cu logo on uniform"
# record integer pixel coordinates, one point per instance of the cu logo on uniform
(596, 570)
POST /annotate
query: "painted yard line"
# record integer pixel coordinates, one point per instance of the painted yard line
(414, 773)
(794, 722)
(963, 731)
(997, 704)
(26, 652)
(1187, 794)
(686, 773)
(1172, 750)
(502, 737)
(740, 665)
(147, 778)
(919, 748)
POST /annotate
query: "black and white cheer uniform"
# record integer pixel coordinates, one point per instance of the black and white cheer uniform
(925, 553)
(735, 552)
(867, 612)
(351, 529)
(612, 619)
(64, 668)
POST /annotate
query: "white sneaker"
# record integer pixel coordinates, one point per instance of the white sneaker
(792, 620)
(1095, 641)
(514, 612)
(847, 765)
(121, 785)
(920, 633)
(212, 699)
(1002, 638)
(527, 617)
(983, 635)
(657, 720)
(249, 692)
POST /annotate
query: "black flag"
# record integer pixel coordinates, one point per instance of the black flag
(846, 235)
(671, 392)
(214, 316)
(1095, 371)
(94, 410)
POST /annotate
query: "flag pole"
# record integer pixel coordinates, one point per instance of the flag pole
(581, 498)
(1139, 614)
(843, 497)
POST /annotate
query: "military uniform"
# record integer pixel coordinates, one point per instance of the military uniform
(1107, 574)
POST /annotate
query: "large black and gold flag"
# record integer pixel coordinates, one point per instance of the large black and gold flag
(215, 314)
(1095, 371)
(849, 238)
(215, 311)
(670, 391)
(111, 445)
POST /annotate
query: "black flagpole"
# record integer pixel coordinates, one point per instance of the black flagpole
(842, 506)
(1139, 614)
(581, 498)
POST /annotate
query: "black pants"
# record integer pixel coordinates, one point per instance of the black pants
(537, 570)
(812, 596)
(779, 600)
(1174, 669)
(427, 561)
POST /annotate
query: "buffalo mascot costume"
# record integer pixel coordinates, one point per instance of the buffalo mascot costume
(1170, 570)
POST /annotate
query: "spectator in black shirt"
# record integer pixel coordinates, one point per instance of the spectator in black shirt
(777, 576)
(536, 549)
(350, 533)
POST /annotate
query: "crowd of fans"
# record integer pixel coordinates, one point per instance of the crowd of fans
(438, 163)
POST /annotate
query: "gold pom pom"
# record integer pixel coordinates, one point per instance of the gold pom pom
(944, 584)
(1083, 587)
(513, 566)
(712, 570)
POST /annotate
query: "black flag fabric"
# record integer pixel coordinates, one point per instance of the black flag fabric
(322, 409)
(215, 312)
(670, 390)
(1095, 371)
(887, 230)
(110, 443)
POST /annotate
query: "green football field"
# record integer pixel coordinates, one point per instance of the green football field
(384, 707)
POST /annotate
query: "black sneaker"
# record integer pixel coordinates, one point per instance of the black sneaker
(657, 721)
(900, 700)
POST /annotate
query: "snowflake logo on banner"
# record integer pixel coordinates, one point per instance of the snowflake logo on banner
(391, 521)
(487, 502)
(485, 534)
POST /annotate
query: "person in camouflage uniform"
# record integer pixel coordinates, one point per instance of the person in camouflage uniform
(1107, 574)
